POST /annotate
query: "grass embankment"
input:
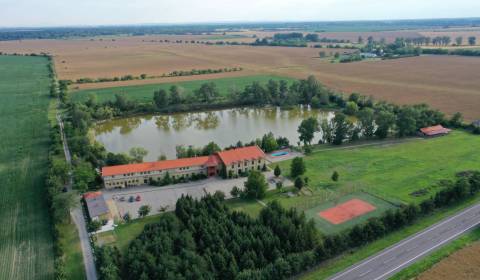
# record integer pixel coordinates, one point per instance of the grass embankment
(144, 93)
(26, 242)
(390, 171)
(344, 261)
(125, 233)
(68, 238)
(427, 263)
(394, 171)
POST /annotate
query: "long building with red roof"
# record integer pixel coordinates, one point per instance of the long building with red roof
(234, 162)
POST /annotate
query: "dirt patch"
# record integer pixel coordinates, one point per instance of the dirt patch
(346, 211)
(464, 264)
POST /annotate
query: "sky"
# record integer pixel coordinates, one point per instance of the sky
(31, 13)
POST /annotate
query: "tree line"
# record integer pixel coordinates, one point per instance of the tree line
(204, 239)
(176, 73)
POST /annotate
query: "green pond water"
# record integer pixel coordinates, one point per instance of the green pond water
(160, 134)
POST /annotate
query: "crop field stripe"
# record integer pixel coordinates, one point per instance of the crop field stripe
(26, 250)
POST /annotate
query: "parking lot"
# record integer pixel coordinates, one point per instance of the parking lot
(165, 198)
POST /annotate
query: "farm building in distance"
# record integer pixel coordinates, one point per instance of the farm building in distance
(437, 130)
(233, 162)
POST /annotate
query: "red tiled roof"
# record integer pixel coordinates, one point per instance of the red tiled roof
(90, 195)
(434, 130)
(241, 154)
(154, 166)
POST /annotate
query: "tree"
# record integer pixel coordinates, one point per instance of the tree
(94, 226)
(351, 108)
(407, 121)
(472, 41)
(162, 157)
(384, 120)
(235, 192)
(269, 143)
(322, 54)
(341, 128)
(210, 149)
(327, 131)
(256, 186)
(459, 40)
(335, 176)
(84, 175)
(62, 203)
(307, 130)
(360, 40)
(144, 210)
(175, 97)
(299, 183)
(207, 92)
(277, 171)
(367, 122)
(160, 97)
(456, 120)
(127, 218)
(138, 153)
(297, 167)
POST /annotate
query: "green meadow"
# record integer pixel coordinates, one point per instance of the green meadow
(144, 93)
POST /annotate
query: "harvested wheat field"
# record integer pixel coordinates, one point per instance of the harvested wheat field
(464, 264)
(448, 83)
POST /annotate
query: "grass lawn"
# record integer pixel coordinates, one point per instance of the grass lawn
(393, 171)
(329, 268)
(73, 256)
(144, 93)
(125, 233)
(26, 242)
(425, 264)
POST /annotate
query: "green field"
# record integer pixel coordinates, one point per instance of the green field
(328, 228)
(393, 171)
(144, 93)
(26, 250)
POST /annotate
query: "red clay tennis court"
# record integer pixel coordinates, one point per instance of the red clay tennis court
(346, 211)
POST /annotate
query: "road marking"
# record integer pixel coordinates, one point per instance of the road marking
(405, 241)
(365, 273)
(428, 250)
(389, 260)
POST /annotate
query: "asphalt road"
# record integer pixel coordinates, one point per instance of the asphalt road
(78, 217)
(399, 256)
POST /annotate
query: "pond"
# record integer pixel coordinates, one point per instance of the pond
(160, 134)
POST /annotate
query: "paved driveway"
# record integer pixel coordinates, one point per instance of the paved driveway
(166, 197)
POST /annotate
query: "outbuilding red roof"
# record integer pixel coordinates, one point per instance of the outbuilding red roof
(90, 195)
(434, 130)
(241, 154)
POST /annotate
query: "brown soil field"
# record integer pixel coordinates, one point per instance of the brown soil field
(448, 83)
(464, 264)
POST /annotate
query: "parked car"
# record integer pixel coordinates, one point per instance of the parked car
(131, 199)
(138, 198)
(122, 198)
